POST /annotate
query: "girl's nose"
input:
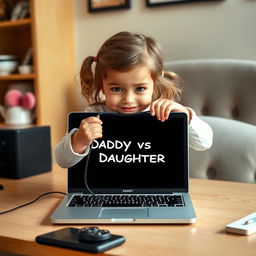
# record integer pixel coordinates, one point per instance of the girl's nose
(128, 97)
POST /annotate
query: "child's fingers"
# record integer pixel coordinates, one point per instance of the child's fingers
(165, 110)
(90, 129)
(92, 119)
(168, 110)
(161, 108)
(96, 130)
(152, 110)
(98, 135)
(91, 133)
(155, 106)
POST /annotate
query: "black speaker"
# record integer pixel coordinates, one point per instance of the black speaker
(24, 151)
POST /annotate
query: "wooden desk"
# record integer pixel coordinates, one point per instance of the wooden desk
(217, 203)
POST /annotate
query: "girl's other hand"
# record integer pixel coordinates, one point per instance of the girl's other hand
(89, 130)
(161, 108)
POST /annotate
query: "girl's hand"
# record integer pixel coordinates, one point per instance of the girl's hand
(161, 108)
(89, 130)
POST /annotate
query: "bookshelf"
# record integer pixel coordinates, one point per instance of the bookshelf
(49, 31)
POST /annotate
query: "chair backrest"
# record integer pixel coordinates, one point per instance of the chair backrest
(219, 87)
(223, 93)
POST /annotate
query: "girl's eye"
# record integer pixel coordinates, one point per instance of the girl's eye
(116, 89)
(140, 89)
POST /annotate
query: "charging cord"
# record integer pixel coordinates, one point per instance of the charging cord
(86, 169)
(85, 177)
(33, 201)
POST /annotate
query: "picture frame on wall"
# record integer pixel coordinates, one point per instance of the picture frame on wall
(108, 5)
(153, 3)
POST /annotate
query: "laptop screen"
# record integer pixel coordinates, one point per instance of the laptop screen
(137, 154)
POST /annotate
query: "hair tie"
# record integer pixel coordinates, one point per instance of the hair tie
(94, 59)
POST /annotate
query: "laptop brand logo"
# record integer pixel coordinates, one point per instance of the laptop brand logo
(127, 190)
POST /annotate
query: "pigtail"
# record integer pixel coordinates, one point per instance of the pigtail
(87, 78)
(168, 85)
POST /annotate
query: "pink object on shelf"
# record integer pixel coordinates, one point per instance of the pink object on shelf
(13, 98)
(28, 100)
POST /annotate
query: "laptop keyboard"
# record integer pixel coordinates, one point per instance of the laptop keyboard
(126, 201)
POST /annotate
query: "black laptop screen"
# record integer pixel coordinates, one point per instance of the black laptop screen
(137, 154)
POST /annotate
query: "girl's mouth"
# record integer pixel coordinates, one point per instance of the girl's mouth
(128, 109)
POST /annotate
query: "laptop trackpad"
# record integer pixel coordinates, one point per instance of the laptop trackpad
(107, 213)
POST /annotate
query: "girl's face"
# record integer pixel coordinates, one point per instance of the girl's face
(129, 91)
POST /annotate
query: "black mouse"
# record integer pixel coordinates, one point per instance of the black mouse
(1, 187)
(93, 234)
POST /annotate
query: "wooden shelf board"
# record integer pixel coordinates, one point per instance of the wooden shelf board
(17, 77)
(14, 23)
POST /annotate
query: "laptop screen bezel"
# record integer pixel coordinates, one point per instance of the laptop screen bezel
(74, 119)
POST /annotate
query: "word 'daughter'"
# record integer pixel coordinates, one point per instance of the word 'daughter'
(131, 158)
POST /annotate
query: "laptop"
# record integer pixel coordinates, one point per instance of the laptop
(136, 173)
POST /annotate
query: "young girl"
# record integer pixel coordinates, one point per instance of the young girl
(128, 78)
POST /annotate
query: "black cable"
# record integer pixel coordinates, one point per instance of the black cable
(85, 175)
(86, 170)
(31, 202)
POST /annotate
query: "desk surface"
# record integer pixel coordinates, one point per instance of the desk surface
(217, 203)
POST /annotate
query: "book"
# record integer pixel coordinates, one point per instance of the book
(20, 10)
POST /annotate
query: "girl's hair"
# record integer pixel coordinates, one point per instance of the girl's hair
(125, 51)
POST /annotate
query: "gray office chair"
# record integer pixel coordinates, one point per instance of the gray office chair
(223, 93)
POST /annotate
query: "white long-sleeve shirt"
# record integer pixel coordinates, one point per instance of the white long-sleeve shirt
(200, 138)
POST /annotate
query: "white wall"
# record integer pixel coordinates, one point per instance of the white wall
(210, 29)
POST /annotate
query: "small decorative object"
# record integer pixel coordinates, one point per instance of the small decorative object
(106, 5)
(18, 107)
(25, 69)
(26, 66)
(8, 63)
(153, 3)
